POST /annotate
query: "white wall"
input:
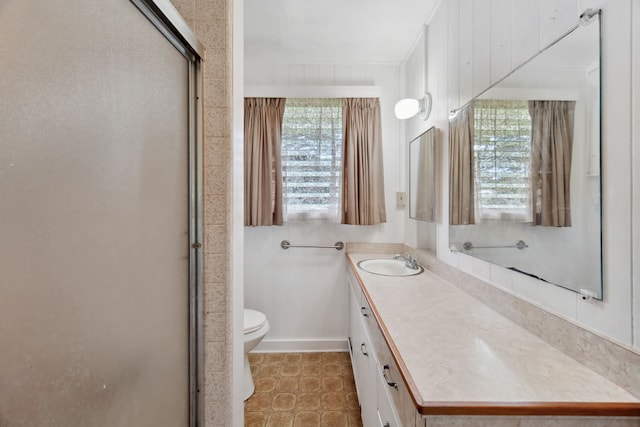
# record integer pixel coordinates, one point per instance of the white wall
(237, 206)
(418, 234)
(474, 43)
(303, 291)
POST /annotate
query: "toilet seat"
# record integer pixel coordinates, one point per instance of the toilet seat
(253, 320)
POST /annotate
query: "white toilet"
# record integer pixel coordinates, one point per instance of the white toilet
(255, 328)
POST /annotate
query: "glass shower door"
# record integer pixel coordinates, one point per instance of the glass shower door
(94, 217)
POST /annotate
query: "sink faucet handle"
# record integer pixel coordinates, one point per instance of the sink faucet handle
(409, 261)
(413, 262)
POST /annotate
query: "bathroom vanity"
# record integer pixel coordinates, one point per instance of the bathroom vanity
(426, 353)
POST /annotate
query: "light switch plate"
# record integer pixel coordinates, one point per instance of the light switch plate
(401, 197)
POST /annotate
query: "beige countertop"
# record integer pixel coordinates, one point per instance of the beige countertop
(458, 351)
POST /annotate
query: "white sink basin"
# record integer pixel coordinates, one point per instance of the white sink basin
(388, 267)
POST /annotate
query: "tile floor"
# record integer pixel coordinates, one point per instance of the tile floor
(302, 390)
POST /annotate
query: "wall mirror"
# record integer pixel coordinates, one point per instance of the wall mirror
(422, 176)
(525, 183)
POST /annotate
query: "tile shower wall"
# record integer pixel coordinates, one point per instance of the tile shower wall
(472, 44)
(211, 21)
(302, 291)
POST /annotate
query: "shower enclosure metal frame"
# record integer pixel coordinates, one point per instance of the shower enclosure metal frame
(169, 22)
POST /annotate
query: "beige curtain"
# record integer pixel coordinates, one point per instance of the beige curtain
(363, 175)
(461, 206)
(551, 147)
(262, 164)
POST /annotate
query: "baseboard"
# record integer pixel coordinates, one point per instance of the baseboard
(301, 346)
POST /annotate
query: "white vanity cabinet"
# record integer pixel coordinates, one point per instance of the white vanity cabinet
(377, 377)
(425, 353)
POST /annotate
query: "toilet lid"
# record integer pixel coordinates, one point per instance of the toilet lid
(253, 320)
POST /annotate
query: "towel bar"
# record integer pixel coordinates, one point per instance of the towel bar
(286, 245)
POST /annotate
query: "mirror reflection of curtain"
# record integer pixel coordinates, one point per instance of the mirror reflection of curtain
(363, 175)
(262, 162)
(551, 147)
(461, 206)
(425, 186)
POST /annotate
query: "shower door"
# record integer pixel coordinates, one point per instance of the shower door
(97, 258)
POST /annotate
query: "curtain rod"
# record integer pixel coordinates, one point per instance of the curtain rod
(251, 91)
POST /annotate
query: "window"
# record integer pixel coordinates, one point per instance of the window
(502, 158)
(312, 159)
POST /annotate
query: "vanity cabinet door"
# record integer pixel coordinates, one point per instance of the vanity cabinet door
(394, 386)
(363, 361)
(355, 338)
(368, 404)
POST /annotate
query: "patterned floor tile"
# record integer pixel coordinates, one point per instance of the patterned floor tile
(302, 390)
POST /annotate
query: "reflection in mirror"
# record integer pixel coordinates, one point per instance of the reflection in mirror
(422, 176)
(524, 174)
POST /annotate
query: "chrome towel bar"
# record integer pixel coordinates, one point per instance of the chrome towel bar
(520, 244)
(286, 245)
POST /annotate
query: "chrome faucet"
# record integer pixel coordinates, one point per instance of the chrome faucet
(408, 260)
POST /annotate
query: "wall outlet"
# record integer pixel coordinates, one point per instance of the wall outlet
(401, 198)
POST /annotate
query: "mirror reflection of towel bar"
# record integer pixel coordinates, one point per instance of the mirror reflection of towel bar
(520, 244)
(286, 245)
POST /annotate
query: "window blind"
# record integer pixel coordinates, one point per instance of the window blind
(502, 151)
(312, 159)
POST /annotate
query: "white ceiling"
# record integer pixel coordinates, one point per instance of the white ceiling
(332, 31)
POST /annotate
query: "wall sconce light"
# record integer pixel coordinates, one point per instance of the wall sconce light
(407, 108)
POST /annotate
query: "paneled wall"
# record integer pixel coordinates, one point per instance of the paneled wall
(635, 162)
(473, 44)
(302, 291)
(418, 234)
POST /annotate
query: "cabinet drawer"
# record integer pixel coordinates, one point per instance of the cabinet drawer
(368, 318)
(365, 309)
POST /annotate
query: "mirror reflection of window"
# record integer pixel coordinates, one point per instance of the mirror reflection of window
(502, 160)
